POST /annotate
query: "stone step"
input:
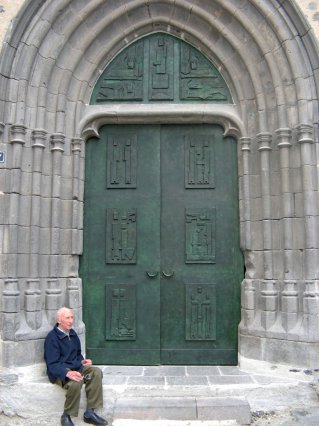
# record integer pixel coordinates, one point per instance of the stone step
(173, 408)
(131, 422)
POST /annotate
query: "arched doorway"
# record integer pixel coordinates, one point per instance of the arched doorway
(161, 266)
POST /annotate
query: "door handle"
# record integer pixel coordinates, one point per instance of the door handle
(168, 274)
(151, 274)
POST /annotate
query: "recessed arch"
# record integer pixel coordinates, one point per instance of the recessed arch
(69, 56)
(265, 51)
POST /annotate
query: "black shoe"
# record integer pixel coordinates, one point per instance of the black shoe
(91, 417)
(66, 420)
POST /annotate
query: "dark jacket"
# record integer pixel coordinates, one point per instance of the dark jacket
(62, 353)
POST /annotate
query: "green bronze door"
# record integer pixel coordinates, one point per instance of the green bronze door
(161, 266)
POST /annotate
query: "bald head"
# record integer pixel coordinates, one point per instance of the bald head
(63, 313)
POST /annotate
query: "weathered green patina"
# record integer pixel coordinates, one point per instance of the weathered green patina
(161, 266)
(161, 68)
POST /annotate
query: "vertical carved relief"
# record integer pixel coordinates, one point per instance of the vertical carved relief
(200, 312)
(124, 78)
(53, 299)
(121, 161)
(32, 303)
(121, 312)
(199, 162)
(199, 80)
(121, 237)
(10, 308)
(200, 235)
(161, 68)
(269, 299)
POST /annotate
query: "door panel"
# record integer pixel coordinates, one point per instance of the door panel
(161, 266)
(199, 235)
(122, 234)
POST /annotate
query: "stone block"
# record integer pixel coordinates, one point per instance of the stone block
(224, 409)
(44, 265)
(66, 219)
(256, 209)
(276, 209)
(149, 381)
(156, 408)
(69, 266)
(45, 217)
(23, 239)
(66, 241)
(194, 370)
(255, 191)
(165, 370)
(3, 263)
(25, 211)
(229, 380)
(67, 188)
(257, 235)
(278, 264)
(13, 218)
(4, 180)
(295, 353)
(191, 381)
(23, 265)
(44, 243)
(250, 346)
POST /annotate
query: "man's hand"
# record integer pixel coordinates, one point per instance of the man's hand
(76, 376)
(86, 362)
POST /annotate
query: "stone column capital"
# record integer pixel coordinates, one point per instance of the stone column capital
(18, 132)
(264, 139)
(305, 133)
(284, 137)
(245, 143)
(39, 137)
(57, 142)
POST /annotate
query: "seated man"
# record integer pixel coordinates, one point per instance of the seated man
(67, 367)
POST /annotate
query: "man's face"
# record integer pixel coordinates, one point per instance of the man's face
(66, 320)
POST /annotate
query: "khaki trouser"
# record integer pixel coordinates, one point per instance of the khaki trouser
(93, 390)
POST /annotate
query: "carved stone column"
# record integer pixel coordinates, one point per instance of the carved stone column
(305, 134)
(39, 138)
(77, 205)
(264, 140)
(246, 207)
(17, 141)
(57, 142)
(289, 296)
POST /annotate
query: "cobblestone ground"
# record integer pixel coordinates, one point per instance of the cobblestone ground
(294, 418)
(259, 419)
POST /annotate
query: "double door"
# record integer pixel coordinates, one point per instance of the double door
(161, 266)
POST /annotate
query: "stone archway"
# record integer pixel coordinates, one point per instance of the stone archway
(49, 65)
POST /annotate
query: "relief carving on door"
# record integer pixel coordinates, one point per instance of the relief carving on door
(121, 306)
(122, 162)
(200, 312)
(121, 236)
(200, 235)
(199, 162)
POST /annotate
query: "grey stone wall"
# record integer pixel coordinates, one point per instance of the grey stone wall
(49, 64)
